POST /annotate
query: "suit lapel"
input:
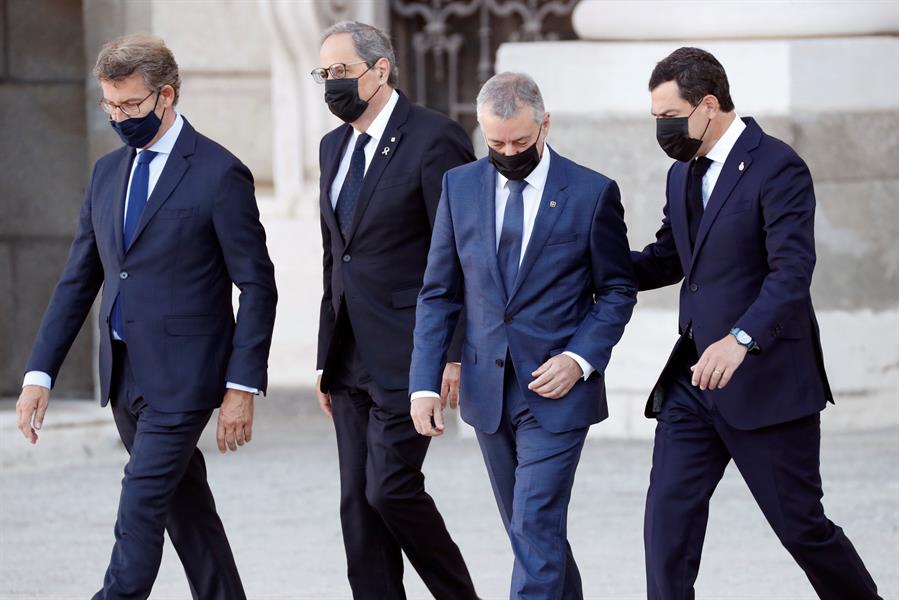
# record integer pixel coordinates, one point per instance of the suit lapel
(332, 162)
(735, 165)
(384, 152)
(120, 189)
(552, 203)
(486, 207)
(175, 168)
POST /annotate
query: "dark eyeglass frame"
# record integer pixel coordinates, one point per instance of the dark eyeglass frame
(335, 71)
(110, 107)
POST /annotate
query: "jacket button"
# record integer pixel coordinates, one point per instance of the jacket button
(694, 287)
(123, 275)
(347, 258)
(507, 319)
(499, 362)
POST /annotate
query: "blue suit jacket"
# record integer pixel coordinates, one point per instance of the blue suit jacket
(198, 233)
(751, 268)
(575, 291)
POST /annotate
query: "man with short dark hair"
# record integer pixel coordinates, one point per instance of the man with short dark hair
(168, 226)
(380, 183)
(746, 379)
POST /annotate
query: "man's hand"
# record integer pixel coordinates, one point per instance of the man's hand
(423, 410)
(555, 378)
(30, 410)
(718, 364)
(324, 400)
(449, 390)
(235, 426)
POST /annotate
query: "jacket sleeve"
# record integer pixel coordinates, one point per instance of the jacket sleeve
(241, 237)
(614, 285)
(73, 297)
(788, 208)
(658, 265)
(439, 303)
(452, 148)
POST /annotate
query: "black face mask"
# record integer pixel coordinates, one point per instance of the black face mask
(673, 136)
(518, 166)
(342, 96)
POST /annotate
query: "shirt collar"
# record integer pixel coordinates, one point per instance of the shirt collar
(166, 143)
(379, 124)
(725, 144)
(537, 177)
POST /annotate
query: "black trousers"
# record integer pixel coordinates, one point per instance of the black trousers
(164, 489)
(384, 508)
(780, 464)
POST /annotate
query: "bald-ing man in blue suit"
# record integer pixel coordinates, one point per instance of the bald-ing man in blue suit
(533, 248)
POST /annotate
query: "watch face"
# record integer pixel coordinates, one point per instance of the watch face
(744, 338)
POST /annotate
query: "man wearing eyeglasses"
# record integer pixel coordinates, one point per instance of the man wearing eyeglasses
(381, 176)
(168, 223)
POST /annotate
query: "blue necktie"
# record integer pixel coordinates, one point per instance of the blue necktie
(509, 252)
(352, 184)
(137, 199)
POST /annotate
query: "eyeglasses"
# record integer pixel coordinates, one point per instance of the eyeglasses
(335, 71)
(129, 109)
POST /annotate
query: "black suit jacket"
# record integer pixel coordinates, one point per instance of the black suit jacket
(198, 234)
(372, 279)
(751, 268)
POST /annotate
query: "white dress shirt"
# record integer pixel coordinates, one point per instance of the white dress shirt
(376, 131)
(532, 193)
(718, 154)
(163, 147)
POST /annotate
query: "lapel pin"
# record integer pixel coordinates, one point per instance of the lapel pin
(552, 203)
(393, 139)
(741, 166)
(386, 150)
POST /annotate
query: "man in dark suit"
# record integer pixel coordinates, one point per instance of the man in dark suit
(380, 183)
(533, 248)
(746, 379)
(168, 223)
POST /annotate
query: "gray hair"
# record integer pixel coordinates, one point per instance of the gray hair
(371, 44)
(139, 53)
(505, 93)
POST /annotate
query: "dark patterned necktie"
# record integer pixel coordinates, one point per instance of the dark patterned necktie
(352, 184)
(509, 252)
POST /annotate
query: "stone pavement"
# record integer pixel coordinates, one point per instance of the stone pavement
(278, 498)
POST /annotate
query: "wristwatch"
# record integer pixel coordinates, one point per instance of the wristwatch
(744, 339)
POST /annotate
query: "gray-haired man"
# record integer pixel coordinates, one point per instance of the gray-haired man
(532, 248)
(380, 184)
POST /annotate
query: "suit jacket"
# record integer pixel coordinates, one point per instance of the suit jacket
(751, 268)
(372, 278)
(199, 233)
(575, 291)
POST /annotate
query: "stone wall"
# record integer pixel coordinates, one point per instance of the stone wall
(45, 170)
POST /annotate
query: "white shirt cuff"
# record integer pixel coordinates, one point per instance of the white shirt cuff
(242, 388)
(38, 378)
(583, 364)
(424, 394)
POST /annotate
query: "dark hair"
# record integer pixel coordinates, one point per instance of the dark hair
(697, 73)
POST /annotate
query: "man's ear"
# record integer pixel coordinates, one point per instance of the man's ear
(711, 105)
(383, 69)
(168, 94)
